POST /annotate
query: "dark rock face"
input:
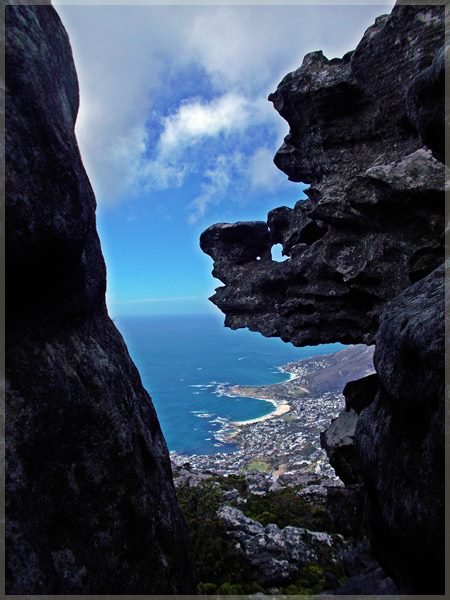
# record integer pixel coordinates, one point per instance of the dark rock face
(345, 505)
(364, 254)
(373, 582)
(365, 575)
(374, 219)
(90, 502)
(426, 104)
(400, 439)
(338, 440)
(391, 436)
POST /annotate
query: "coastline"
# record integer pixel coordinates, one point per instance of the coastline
(292, 442)
(292, 374)
(280, 409)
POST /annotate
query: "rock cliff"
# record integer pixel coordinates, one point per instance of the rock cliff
(364, 265)
(399, 439)
(366, 231)
(90, 503)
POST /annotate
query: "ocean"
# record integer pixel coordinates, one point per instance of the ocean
(184, 360)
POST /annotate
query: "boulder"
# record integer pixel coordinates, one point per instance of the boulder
(338, 442)
(278, 555)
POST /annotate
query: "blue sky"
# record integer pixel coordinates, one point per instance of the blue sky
(176, 132)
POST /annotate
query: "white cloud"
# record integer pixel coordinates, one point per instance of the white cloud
(197, 119)
(122, 55)
(253, 47)
(128, 57)
(162, 175)
(260, 170)
(233, 174)
(202, 124)
(217, 180)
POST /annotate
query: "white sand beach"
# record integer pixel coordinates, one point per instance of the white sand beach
(281, 409)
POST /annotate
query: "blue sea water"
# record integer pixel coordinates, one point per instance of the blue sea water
(185, 359)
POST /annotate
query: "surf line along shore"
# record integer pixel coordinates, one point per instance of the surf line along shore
(281, 405)
(280, 409)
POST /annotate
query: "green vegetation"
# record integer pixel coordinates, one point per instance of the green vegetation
(231, 482)
(258, 465)
(284, 507)
(313, 579)
(222, 567)
(289, 418)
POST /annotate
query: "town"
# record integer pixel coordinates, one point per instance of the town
(288, 443)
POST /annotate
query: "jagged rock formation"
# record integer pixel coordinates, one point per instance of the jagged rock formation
(90, 502)
(365, 233)
(366, 131)
(278, 555)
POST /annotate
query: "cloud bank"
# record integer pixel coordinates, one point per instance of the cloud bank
(177, 95)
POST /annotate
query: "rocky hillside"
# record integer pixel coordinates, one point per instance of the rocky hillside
(90, 502)
(365, 254)
(293, 534)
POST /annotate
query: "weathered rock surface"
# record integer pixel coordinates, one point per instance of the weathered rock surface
(372, 582)
(365, 575)
(426, 107)
(338, 440)
(345, 506)
(367, 230)
(366, 247)
(90, 502)
(279, 554)
(400, 439)
(391, 436)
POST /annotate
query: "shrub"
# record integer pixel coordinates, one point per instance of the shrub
(217, 558)
(284, 507)
(207, 588)
(234, 482)
(310, 581)
(266, 517)
(222, 567)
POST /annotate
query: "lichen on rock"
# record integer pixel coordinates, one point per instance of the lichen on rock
(278, 555)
